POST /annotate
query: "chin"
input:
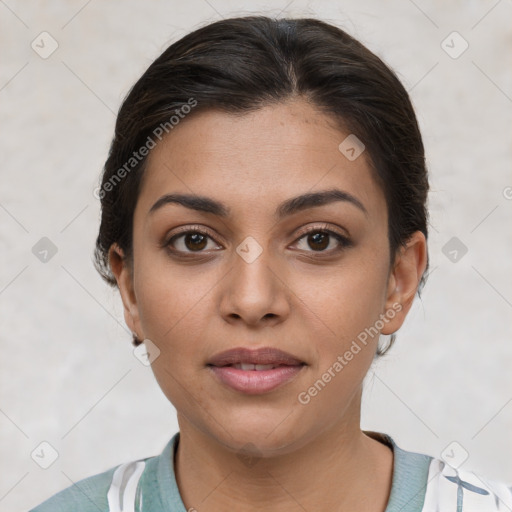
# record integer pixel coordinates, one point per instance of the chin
(260, 438)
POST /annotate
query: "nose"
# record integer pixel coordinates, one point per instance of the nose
(255, 292)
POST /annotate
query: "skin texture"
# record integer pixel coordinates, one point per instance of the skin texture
(300, 295)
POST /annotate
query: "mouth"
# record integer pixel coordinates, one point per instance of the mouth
(255, 367)
(264, 358)
(255, 371)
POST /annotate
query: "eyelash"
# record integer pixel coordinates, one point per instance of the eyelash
(344, 242)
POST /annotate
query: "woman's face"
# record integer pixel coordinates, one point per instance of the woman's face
(254, 278)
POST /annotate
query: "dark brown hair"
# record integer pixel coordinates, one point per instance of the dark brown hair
(241, 64)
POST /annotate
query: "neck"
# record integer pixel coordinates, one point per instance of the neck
(339, 469)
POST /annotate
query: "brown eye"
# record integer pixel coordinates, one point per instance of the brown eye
(190, 241)
(195, 241)
(320, 239)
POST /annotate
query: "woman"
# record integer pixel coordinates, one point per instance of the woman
(264, 218)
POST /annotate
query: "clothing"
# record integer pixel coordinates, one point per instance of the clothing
(420, 483)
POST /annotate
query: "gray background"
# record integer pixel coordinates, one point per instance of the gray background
(68, 375)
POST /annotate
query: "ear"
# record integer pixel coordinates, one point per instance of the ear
(404, 279)
(122, 271)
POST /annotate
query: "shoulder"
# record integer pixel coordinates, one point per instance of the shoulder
(88, 494)
(143, 484)
(451, 488)
(430, 484)
(103, 492)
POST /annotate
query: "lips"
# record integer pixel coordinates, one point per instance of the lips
(255, 371)
(260, 359)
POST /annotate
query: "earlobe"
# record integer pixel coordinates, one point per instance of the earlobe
(123, 274)
(404, 280)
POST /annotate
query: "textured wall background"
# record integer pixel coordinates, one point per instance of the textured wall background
(68, 376)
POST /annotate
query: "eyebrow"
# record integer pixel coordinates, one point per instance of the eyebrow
(288, 207)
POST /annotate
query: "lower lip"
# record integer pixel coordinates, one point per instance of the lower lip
(254, 382)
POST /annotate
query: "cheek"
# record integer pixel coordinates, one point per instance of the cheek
(172, 302)
(346, 298)
(343, 331)
(165, 303)
(171, 306)
(346, 302)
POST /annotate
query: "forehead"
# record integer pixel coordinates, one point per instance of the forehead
(257, 159)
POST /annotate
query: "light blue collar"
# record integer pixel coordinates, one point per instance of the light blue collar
(410, 471)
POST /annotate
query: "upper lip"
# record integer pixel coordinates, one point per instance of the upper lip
(264, 355)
